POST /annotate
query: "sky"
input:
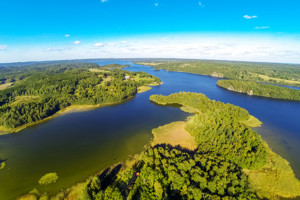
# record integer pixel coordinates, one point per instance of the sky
(247, 30)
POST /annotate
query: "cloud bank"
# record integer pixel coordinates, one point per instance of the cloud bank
(230, 47)
(3, 47)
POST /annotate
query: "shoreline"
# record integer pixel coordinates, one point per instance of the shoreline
(145, 88)
(69, 109)
(72, 108)
(213, 75)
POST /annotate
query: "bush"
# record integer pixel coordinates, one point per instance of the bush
(48, 179)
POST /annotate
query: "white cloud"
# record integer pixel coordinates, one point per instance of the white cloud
(200, 4)
(3, 47)
(60, 49)
(156, 4)
(249, 17)
(262, 27)
(76, 42)
(124, 42)
(259, 48)
(67, 35)
(98, 45)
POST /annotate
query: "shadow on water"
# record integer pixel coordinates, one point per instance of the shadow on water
(108, 176)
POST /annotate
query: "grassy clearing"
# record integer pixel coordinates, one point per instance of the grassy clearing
(278, 80)
(275, 179)
(142, 89)
(5, 85)
(76, 191)
(189, 109)
(174, 134)
(137, 78)
(149, 64)
(252, 122)
(99, 70)
(155, 84)
(28, 197)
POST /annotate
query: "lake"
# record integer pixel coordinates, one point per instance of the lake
(77, 145)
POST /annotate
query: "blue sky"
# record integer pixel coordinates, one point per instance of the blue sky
(255, 30)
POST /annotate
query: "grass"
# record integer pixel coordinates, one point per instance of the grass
(189, 109)
(155, 84)
(174, 134)
(275, 179)
(252, 122)
(99, 70)
(149, 64)
(278, 80)
(2, 165)
(76, 191)
(5, 85)
(142, 89)
(28, 197)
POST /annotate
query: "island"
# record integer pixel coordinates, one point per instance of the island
(42, 91)
(259, 79)
(214, 154)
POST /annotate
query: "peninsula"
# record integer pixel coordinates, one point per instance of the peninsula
(41, 92)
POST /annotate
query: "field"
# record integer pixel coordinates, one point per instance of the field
(5, 85)
(174, 134)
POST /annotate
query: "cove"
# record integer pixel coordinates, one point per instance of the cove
(76, 145)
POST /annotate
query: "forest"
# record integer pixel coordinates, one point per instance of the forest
(39, 91)
(259, 89)
(282, 74)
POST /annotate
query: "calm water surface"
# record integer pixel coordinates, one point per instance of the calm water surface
(77, 145)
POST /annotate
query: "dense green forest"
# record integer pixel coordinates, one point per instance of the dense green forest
(166, 172)
(259, 89)
(39, 91)
(284, 74)
(218, 129)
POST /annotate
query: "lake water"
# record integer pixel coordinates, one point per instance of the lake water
(77, 145)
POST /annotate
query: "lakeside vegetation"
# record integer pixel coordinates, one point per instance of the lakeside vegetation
(48, 178)
(217, 129)
(142, 89)
(2, 164)
(270, 176)
(244, 77)
(259, 89)
(40, 91)
(174, 134)
(230, 160)
(282, 74)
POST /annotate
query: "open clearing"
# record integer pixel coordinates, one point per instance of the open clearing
(174, 134)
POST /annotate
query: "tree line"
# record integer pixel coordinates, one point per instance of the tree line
(45, 89)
